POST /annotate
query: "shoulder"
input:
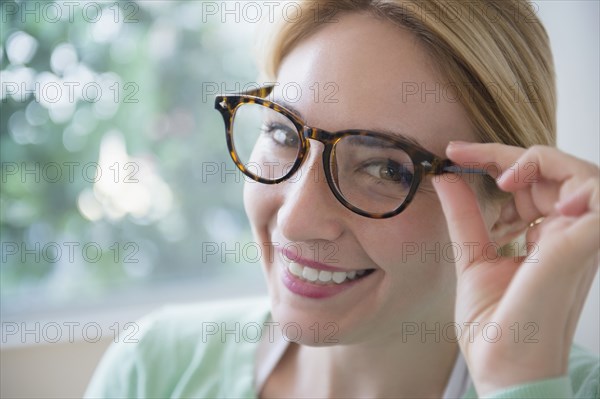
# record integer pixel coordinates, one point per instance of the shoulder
(206, 322)
(184, 350)
(582, 381)
(584, 370)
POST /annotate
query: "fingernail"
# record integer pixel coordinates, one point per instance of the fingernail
(500, 179)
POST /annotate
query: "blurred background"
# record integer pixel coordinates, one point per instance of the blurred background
(109, 138)
(117, 191)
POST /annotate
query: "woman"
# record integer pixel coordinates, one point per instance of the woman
(371, 293)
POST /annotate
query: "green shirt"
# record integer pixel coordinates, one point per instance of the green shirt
(208, 351)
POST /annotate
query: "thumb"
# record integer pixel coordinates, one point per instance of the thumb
(465, 223)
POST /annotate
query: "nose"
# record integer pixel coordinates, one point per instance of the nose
(309, 210)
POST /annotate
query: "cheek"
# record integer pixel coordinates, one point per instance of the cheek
(419, 279)
(416, 243)
(260, 205)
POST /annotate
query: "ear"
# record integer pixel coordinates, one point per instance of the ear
(508, 224)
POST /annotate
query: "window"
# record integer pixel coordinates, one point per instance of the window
(115, 171)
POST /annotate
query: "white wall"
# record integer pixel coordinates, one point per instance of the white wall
(60, 370)
(573, 27)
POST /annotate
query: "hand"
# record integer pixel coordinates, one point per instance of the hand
(534, 301)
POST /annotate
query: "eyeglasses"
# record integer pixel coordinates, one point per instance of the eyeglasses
(372, 174)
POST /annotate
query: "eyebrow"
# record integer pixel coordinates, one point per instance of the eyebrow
(375, 142)
(288, 106)
(403, 137)
(395, 134)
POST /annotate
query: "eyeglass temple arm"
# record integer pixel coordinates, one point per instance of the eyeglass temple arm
(261, 92)
(441, 166)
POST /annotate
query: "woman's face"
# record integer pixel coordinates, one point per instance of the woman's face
(358, 73)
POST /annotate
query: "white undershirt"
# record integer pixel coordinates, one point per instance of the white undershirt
(268, 355)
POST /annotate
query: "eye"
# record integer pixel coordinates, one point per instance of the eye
(281, 134)
(389, 171)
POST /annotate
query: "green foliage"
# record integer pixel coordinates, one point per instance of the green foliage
(159, 61)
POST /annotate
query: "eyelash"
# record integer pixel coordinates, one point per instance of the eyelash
(268, 129)
(403, 173)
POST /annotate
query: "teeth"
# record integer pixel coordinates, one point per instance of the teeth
(339, 277)
(295, 269)
(310, 274)
(325, 276)
(322, 276)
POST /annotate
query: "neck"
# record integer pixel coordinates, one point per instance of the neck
(382, 369)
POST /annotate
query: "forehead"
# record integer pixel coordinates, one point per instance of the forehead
(365, 73)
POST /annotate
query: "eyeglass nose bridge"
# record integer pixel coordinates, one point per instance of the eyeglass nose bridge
(323, 136)
(328, 139)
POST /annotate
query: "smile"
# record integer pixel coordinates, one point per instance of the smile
(324, 277)
(316, 283)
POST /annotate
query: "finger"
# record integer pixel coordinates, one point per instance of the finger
(528, 208)
(521, 166)
(541, 163)
(546, 176)
(494, 158)
(583, 237)
(541, 170)
(463, 216)
(586, 198)
(555, 273)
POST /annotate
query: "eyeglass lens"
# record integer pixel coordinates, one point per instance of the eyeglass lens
(371, 173)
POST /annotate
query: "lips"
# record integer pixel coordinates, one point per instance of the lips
(314, 275)
(316, 280)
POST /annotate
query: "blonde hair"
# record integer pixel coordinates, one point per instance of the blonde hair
(495, 54)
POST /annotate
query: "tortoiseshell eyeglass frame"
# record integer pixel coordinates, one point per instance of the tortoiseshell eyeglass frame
(425, 163)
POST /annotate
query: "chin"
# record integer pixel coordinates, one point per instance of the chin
(311, 327)
(318, 322)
